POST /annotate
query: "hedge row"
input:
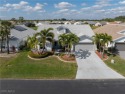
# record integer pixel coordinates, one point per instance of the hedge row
(42, 55)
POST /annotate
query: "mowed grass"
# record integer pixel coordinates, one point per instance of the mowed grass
(24, 68)
(119, 64)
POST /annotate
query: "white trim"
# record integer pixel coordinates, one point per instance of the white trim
(118, 38)
(120, 32)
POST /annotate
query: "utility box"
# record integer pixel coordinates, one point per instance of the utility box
(112, 61)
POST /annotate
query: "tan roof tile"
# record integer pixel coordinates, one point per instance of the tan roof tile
(111, 30)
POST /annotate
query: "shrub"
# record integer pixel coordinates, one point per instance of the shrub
(42, 55)
(30, 24)
(24, 48)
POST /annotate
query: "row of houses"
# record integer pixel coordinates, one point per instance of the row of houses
(20, 33)
(72, 22)
(93, 23)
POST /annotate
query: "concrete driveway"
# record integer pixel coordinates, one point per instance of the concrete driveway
(122, 54)
(90, 66)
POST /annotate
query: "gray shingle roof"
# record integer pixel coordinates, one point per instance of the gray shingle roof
(22, 34)
(79, 30)
(91, 22)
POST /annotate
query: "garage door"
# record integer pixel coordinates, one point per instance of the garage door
(84, 46)
(120, 46)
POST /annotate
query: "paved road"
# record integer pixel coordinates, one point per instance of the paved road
(62, 87)
(90, 66)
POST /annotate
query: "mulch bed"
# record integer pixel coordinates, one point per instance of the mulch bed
(68, 58)
(103, 58)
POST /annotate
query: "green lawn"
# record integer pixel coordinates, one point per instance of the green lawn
(23, 67)
(119, 64)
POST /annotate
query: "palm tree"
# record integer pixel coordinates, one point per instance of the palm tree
(32, 41)
(97, 39)
(105, 40)
(101, 40)
(63, 40)
(71, 40)
(67, 40)
(2, 35)
(45, 35)
(7, 27)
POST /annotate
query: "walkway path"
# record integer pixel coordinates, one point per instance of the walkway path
(90, 66)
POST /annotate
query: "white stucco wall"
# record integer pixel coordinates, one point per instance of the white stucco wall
(48, 46)
(85, 39)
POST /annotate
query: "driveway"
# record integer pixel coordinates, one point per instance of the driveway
(122, 54)
(90, 66)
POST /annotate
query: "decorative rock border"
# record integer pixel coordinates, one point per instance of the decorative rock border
(64, 60)
(51, 56)
(102, 58)
(39, 58)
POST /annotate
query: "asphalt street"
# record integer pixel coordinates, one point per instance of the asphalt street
(62, 86)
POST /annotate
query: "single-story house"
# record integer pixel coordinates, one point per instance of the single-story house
(101, 23)
(78, 23)
(117, 32)
(113, 23)
(68, 23)
(18, 35)
(38, 24)
(91, 22)
(84, 32)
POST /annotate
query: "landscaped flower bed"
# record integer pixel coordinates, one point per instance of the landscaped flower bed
(67, 57)
(100, 55)
(40, 55)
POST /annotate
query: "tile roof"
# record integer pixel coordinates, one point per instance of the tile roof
(112, 30)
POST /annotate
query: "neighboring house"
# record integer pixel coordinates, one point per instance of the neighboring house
(38, 24)
(84, 32)
(118, 34)
(78, 23)
(119, 22)
(112, 23)
(122, 24)
(102, 23)
(18, 35)
(67, 23)
(56, 22)
(91, 22)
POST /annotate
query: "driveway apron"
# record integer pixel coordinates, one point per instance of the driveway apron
(90, 66)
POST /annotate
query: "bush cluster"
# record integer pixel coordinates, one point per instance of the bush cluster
(24, 48)
(30, 24)
(42, 55)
